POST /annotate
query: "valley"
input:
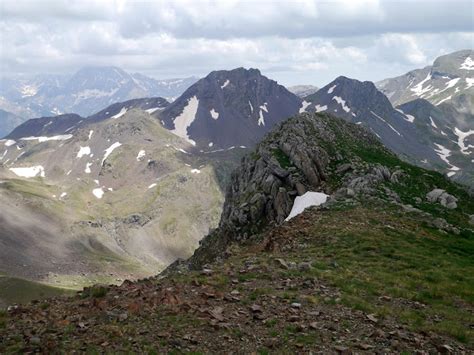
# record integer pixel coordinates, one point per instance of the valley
(175, 216)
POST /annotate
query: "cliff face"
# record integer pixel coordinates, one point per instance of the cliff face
(322, 153)
(310, 152)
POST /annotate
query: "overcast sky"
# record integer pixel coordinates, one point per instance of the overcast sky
(293, 42)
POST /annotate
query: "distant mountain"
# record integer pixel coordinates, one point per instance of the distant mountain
(229, 108)
(87, 91)
(302, 90)
(450, 132)
(65, 123)
(8, 121)
(114, 196)
(405, 130)
(449, 78)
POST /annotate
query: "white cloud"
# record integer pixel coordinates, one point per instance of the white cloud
(296, 42)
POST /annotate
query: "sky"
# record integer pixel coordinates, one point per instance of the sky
(293, 42)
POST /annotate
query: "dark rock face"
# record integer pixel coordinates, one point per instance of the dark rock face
(66, 124)
(282, 168)
(438, 125)
(42, 127)
(361, 103)
(234, 108)
(150, 103)
(305, 153)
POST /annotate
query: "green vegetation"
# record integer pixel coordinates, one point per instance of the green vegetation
(282, 158)
(15, 290)
(387, 263)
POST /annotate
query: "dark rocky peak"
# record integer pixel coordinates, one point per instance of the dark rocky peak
(351, 95)
(46, 126)
(150, 104)
(308, 153)
(229, 108)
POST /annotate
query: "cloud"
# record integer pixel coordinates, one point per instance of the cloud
(298, 41)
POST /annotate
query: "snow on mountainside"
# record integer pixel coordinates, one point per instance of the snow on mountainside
(117, 186)
(449, 77)
(87, 91)
(66, 123)
(229, 108)
(407, 130)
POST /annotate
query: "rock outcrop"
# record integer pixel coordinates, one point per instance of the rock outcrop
(310, 152)
(442, 197)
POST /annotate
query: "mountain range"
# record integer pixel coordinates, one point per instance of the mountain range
(449, 79)
(435, 137)
(85, 92)
(112, 189)
(327, 241)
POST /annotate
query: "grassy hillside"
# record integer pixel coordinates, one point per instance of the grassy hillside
(364, 279)
(14, 290)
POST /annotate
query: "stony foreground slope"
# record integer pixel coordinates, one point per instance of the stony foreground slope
(385, 266)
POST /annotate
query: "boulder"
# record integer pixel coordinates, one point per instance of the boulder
(443, 198)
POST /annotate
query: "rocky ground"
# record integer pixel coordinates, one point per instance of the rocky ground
(385, 266)
(286, 291)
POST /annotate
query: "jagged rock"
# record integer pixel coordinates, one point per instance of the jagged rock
(292, 160)
(433, 195)
(344, 168)
(441, 196)
(440, 223)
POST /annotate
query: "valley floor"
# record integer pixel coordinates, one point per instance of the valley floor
(331, 281)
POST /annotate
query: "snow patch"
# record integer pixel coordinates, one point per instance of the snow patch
(151, 110)
(309, 199)
(185, 119)
(122, 112)
(341, 102)
(62, 137)
(211, 144)
(29, 172)
(195, 171)
(304, 105)
(98, 192)
(331, 89)
(261, 120)
(443, 100)
(433, 124)
(152, 186)
(451, 83)
(418, 88)
(83, 151)
(87, 170)
(409, 118)
(380, 118)
(28, 90)
(140, 155)
(461, 136)
(9, 142)
(64, 194)
(214, 114)
(251, 107)
(468, 64)
(225, 84)
(444, 153)
(320, 108)
(469, 82)
(109, 151)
